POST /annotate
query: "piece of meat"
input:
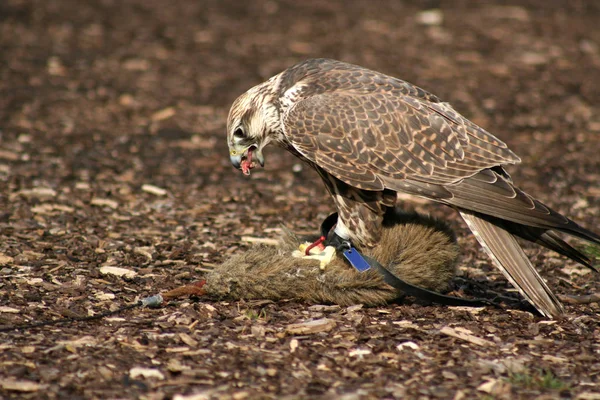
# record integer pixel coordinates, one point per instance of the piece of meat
(247, 163)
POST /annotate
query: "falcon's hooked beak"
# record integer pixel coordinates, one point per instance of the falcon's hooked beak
(244, 159)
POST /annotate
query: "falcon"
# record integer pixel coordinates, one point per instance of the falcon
(370, 136)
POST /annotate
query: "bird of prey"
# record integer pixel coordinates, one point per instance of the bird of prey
(369, 136)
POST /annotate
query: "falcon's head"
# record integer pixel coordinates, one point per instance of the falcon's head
(252, 124)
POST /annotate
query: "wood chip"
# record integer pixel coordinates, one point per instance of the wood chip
(51, 208)
(197, 396)
(182, 349)
(163, 114)
(88, 341)
(314, 326)
(137, 372)
(103, 296)
(354, 308)
(359, 352)
(174, 365)
(5, 309)
(433, 17)
(405, 324)
(258, 331)
(267, 241)
(145, 251)
(496, 387)
(488, 386)
(294, 343)
(472, 310)
(155, 190)
(9, 155)
(187, 339)
(408, 345)
(5, 260)
(37, 193)
(99, 202)
(449, 375)
(20, 385)
(136, 64)
(464, 334)
(554, 359)
(588, 396)
(324, 308)
(108, 270)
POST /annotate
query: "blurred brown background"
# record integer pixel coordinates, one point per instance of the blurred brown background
(99, 98)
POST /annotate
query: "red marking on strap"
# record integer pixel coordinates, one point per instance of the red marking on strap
(318, 242)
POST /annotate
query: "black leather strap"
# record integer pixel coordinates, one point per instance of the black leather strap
(422, 293)
(392, 280)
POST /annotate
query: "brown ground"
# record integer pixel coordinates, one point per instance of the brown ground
(98, 98)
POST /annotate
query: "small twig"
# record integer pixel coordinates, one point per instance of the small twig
(187, 290)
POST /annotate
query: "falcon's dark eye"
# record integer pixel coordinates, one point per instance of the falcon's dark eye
(239, 133)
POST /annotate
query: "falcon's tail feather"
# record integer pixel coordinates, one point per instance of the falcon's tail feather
(544, 237)
(510, 258)
(552, 241)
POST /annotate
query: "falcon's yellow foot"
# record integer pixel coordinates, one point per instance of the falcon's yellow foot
(324, 256)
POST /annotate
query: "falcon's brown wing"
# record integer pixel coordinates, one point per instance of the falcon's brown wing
(378, 140)
(371, 139)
